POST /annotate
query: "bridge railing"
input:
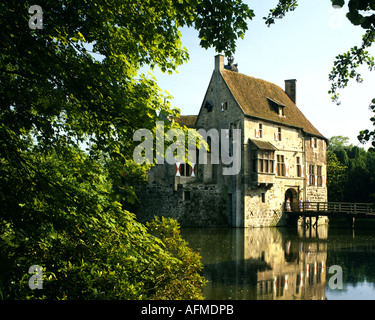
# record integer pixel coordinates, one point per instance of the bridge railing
(336, 207)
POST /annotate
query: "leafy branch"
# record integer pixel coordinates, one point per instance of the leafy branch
(346, 65)
(281, 9)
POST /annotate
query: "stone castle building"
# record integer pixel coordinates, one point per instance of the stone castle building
(283, 156)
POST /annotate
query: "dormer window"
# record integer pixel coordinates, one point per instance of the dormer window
(277, 106)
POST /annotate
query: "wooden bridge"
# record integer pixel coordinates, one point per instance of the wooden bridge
(344, 209)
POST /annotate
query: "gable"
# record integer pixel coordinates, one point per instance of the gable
(219, 108)
(257, 98)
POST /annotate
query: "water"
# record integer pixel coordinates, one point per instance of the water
(286, 263)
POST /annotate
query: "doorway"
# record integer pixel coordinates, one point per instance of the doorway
(292, 195)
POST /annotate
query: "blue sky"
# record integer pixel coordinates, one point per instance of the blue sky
(301, 46)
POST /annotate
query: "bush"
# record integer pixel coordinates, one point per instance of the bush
(59, 214)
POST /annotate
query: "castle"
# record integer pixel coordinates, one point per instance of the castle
(283, 158)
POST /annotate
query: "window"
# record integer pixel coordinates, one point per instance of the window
(299, 168)
(277, 106)
(314, 142)
(187, 196)
(185, 170)
(320, 177)
(263, 197)
(311, 175)
(278, 134)
(265, 161)
(258, 132)
(224, 106)
(208, 105)
(280, 166)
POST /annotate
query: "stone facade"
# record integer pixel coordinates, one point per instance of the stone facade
(193, 205)
(282, 157)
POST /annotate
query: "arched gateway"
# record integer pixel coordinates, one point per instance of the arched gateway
(292, 195)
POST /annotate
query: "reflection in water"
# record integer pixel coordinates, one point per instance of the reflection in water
(297, 268)
(278, 263)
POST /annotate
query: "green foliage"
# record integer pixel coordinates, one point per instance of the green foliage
(346, 65)
(356, 10)
(338, 3)
(338, 142)
(76, 84)
(351, 172)
(367, 135)
(65, 88)
(221, 23)
(280, 10)
(361, 13)
(88, 246)
(336, 178)
(188, 263)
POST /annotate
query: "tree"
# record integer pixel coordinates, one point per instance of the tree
(59, 214)
(367, 135)
(370, 163)
(336, 178)
(345, 67)
(338, 142)
(74, 83)
(350, 172)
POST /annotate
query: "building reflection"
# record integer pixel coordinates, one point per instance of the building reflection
(296, 263)
(284, 263)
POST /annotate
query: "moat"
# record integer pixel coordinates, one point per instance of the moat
(287, 263)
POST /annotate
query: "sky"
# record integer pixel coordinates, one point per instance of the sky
(302, 46)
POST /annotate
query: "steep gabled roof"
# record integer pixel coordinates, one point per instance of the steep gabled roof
(255, 98)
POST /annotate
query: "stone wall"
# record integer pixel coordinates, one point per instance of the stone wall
(220, 111)
(316, 155)
(192, 205)
(271, 212)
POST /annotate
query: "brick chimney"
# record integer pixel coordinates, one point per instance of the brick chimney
(219, 62)
(290, 89)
